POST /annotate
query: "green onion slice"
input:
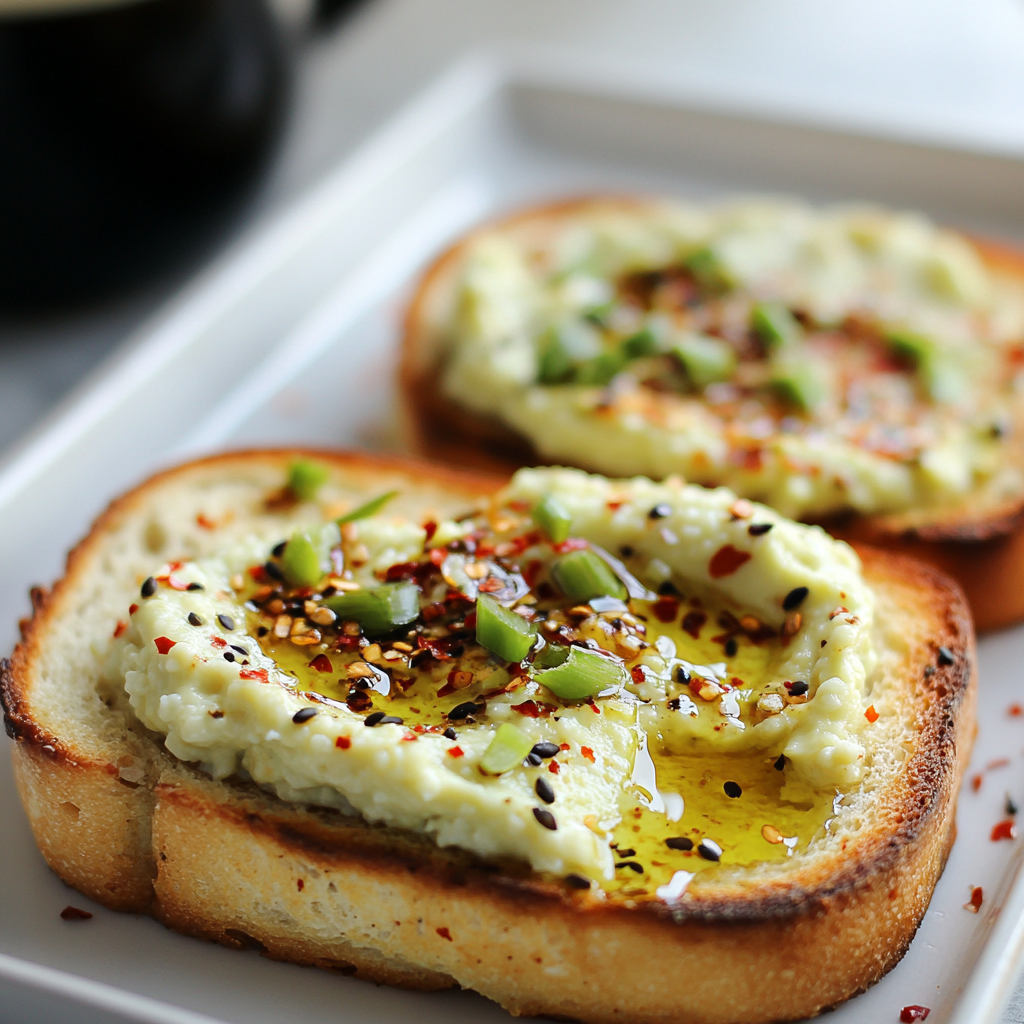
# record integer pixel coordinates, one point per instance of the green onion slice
(799, 384)
(643, 343)
(941, 378)
(601, 369)
(582, 674)
(553, 518)
(706, 360)
(554, 363)
(582, 575)
(502, 631)
(709, 270)
(305, 478)
(775, 325)
(307, 556)
(378, 609)
(508, 747)
(367, 510)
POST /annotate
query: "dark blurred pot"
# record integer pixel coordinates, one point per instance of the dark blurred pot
(127, 133)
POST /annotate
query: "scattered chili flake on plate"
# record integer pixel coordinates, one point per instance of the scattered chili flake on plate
(974, 904)
(1015, 711)
(70, 913)
(909, 1014)
(1005, 829)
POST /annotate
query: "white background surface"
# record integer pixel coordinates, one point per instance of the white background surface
(930, 70)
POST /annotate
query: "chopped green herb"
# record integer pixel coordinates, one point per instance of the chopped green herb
(554, 363)
(583, 574)
(799, 384)
(582, 674)
(775, 325)
(942, 380)
(378, 609)
(553, 518)
(508, 747)
(367, 510)
(307, 555)
(502, 631)
(709, 270)
(601, 369)
(706, 360)
(306, 478)
(643, 343)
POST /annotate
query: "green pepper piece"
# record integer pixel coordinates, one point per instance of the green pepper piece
(502, 631)
(508, 747)
(598, 315)
(643, 343)
(600, 370)
(307, 555)
(706, 360)
(551, 656)
(709, 270)
(941, 378)
(367, 510)
(582, 575)
(583, 674)
(553, 518)
(306, 478)
(554, 363)
(379, 609)
(799, 384)
(775, 325)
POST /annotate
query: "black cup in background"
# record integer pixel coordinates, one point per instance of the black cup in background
(129, 134)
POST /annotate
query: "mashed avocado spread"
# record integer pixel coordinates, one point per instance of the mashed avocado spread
(618, 682)
(816, 360)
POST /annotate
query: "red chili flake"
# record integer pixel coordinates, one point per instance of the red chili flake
(974, 903)
(871, 714)
(431, 528)
(666, 608)
(163, 644)
(438, 555)
(300, 884)
(401, 571)
(726, 560)
(132, 609)
(218, 641)
(593, 707)
(519, 505)
(532, 572)
(485, 550)
(418, 728)
(999, 762)
(976, 782)
(588, 754)
(1015, 711)
(572, 544)
(321, 663)
(120, 628)
(471, 620)
(563, 746)
(529, 708)
(409, 737)
(456, 752)
(258, 573)
(176, 582)
(438, 648)
(637, 673)
(1006, 829)
(909, 1014)
(614, 506)
(433, 611)
(343, 742)
(693, 623)
(553, 767)
(204, 522)
(259, 674)
(490, 585)
(70, 913)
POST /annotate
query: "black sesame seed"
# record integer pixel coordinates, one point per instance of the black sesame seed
(148, 588)
(227, 622)
(682, 675)
(228, 656)
(679, 843)
(303, 715)
(794, 598)
(631, 864)
(710, 850)
(534, 760)
(544, 790)
(374, 718)
(674, 704)
(799, 688)
(660, 512)
(627, 552)
(1010, 806)
(464, 710)
(733, 789)
(945, 656)
(241, 650)
(759, 529)
(278, 549)
(273, 570)
(545, 750)
(668, 589)
(626, 854)
(195, 586)
(390, 720)
(731, 647)
(450, 734)
(194, 620)
(546, 818)
(262, 631)
(780, 762)
(577, 882)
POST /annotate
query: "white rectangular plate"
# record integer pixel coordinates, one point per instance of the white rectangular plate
(265, 350)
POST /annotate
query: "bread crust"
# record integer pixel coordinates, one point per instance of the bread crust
(223, 861)
(983, 549)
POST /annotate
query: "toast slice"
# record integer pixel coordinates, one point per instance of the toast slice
(980, 541)
(126, 823)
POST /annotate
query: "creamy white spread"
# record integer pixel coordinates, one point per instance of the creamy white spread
(889, 429)
(208, 686)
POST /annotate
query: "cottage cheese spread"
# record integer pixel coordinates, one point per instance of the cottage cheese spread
(756, 647)
(816, 360)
